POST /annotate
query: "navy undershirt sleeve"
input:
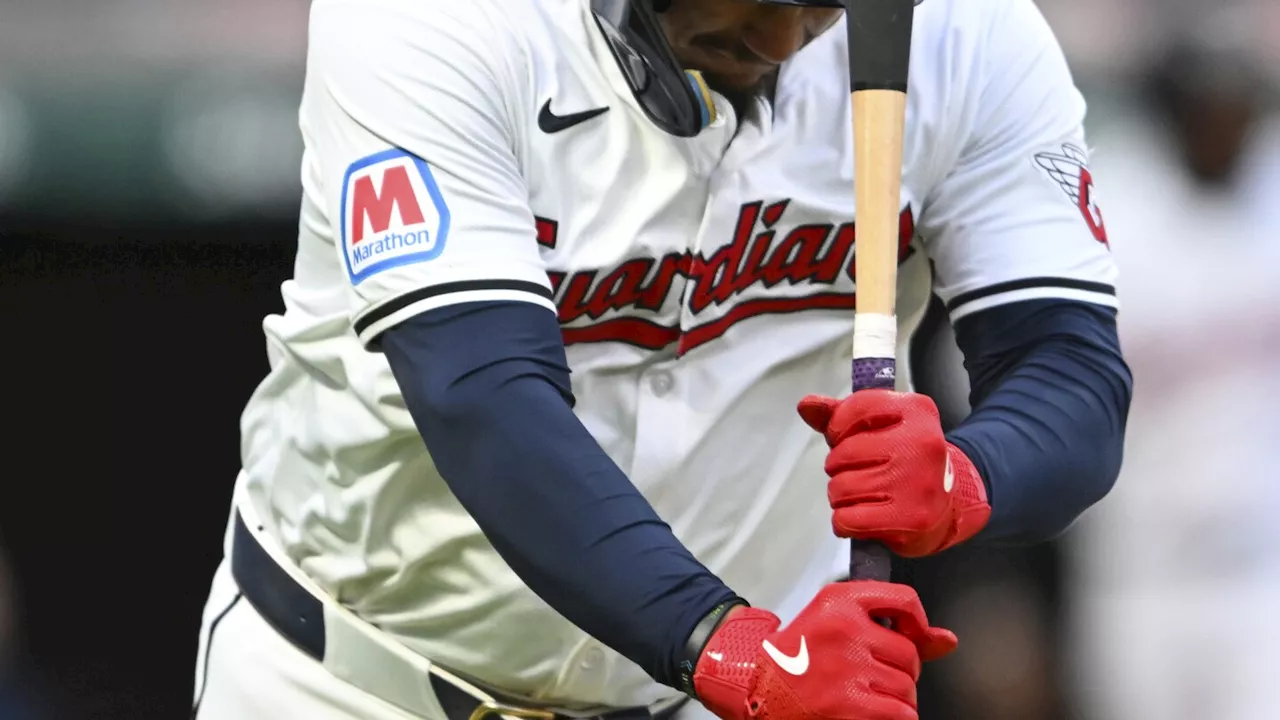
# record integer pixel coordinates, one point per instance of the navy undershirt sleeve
(1050, 393)
(488, 387)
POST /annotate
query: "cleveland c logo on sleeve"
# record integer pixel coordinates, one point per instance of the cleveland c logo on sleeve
(392, 214)
(1070, 170)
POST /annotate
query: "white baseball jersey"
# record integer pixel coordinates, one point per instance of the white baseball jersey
(704, 286)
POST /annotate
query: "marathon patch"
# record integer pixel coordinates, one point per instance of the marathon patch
(392, 214)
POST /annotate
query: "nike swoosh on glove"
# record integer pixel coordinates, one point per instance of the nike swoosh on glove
(835, 661)
(894, 477)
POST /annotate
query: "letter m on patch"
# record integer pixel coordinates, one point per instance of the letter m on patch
(376, 207)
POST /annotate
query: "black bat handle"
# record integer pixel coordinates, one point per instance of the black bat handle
(869, 561)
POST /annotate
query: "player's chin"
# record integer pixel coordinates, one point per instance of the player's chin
(735, 83)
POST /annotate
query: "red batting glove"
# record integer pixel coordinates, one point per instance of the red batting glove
(894, 478)
(833, 662)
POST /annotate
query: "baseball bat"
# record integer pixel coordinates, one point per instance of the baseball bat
(879, 57)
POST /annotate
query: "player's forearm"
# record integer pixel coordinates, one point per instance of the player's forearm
(488, 387)
(1051, 395)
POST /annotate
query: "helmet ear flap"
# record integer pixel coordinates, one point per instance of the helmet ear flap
(634, 33)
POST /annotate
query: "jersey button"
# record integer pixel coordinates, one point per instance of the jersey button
(661, 383)
(592, 659)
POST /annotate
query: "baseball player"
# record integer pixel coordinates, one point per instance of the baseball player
(529, 442)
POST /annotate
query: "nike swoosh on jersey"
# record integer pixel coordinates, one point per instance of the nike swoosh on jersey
(949, 477)
(797, 664)
(551, 123)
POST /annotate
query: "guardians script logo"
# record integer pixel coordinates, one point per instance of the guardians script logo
(633, 293)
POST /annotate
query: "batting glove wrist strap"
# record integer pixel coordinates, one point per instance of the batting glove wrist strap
(726, 669)
(698, 640)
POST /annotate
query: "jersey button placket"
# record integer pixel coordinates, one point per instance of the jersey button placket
(662, 439)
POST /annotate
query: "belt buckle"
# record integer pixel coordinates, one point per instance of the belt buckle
(496, 708)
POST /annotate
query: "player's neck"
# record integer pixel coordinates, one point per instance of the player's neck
(741, 100)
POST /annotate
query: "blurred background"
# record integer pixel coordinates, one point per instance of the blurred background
(148, 197)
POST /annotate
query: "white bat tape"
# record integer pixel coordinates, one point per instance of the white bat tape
(875, 336)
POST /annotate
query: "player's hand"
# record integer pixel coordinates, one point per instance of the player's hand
(833, 662)
(894, 478)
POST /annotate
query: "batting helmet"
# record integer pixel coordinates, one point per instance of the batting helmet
(676, 100)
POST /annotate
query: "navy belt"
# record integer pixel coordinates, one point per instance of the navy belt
(299, 617)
